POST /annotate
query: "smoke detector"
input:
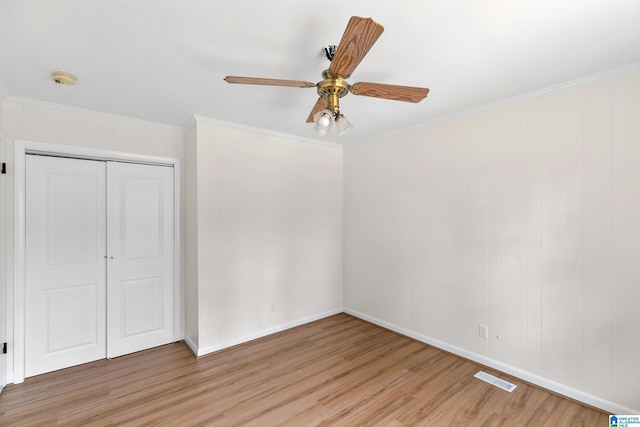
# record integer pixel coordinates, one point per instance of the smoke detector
(61, 77)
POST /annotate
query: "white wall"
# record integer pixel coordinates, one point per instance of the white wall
(525, 218)
(190, 235)
(47, 123)
(269, 233)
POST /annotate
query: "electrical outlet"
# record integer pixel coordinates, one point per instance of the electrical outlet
(483, 331)
(273, 307)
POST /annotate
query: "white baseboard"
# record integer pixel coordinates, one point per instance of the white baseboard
(9, 379)
(581, 396)
(192, 346)
(217, 347)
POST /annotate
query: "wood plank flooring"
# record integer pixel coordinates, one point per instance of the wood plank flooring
(338, 371)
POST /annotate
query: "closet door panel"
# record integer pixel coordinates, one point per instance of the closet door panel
(140, 257)
(65, 265)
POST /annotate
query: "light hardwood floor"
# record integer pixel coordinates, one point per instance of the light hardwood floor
(338, 371)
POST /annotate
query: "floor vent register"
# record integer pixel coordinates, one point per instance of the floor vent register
(495, 381)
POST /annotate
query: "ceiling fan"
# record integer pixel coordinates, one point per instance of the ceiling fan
(359, 36)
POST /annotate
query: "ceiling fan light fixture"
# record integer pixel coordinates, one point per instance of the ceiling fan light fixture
(321, 131)
(323, 119)
(342, 124)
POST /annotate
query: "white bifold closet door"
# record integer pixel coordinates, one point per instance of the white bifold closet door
(140, 257)
(99, 260)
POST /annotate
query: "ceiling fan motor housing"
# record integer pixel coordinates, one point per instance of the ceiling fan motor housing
(333, 88)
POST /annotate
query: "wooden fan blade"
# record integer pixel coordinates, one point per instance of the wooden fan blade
(358, 37)
(394, 92)
(321, 104)
(268, 82)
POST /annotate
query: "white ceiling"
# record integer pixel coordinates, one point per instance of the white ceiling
(164, 60)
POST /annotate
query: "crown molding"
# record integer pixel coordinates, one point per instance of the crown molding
(92, 113)
(201, 119)
(545, 91)
(509, 101)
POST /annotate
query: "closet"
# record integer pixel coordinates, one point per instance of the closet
(99, 261)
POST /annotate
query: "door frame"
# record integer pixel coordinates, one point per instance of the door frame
(24, 147)
(3, 262)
